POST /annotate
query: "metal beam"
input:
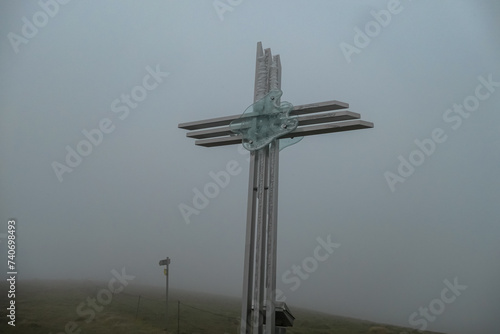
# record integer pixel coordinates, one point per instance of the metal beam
(318, 107)
(329, 128)
(335, 116)
(297, 110)
(299, 132)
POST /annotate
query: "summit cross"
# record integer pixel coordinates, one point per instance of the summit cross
(260, 129)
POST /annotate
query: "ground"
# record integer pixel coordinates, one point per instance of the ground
(79, 307)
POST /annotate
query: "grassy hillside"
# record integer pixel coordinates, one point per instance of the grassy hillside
(85, 307)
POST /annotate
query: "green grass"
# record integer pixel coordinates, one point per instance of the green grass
(48, 306)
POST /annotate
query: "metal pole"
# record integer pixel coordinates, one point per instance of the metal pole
(272, 234)
(262, 216)
(259, 283)
(165, 263)
(137, 311)
(249, 304)
(166, 297)
(258, 319)
(272, 229)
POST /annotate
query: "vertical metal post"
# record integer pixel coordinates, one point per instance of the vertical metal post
(165, 263)
(259, 283)
(262, 217)
(260, 243)
(248, 302)
(272, 233)
(166, 298)
(272, 229)
(138, 303)
(178, 316)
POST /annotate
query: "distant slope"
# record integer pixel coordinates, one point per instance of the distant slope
(78, 307)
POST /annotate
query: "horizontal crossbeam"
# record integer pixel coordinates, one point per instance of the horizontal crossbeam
(303, 120)
(299, 132)
(297, 110)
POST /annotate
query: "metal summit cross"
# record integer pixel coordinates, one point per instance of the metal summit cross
(260, 129)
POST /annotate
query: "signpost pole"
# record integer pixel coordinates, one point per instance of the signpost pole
(165, 263)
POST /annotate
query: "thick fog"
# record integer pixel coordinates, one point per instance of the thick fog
(99, 177)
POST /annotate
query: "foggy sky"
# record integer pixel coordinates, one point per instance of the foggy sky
(119, 207)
